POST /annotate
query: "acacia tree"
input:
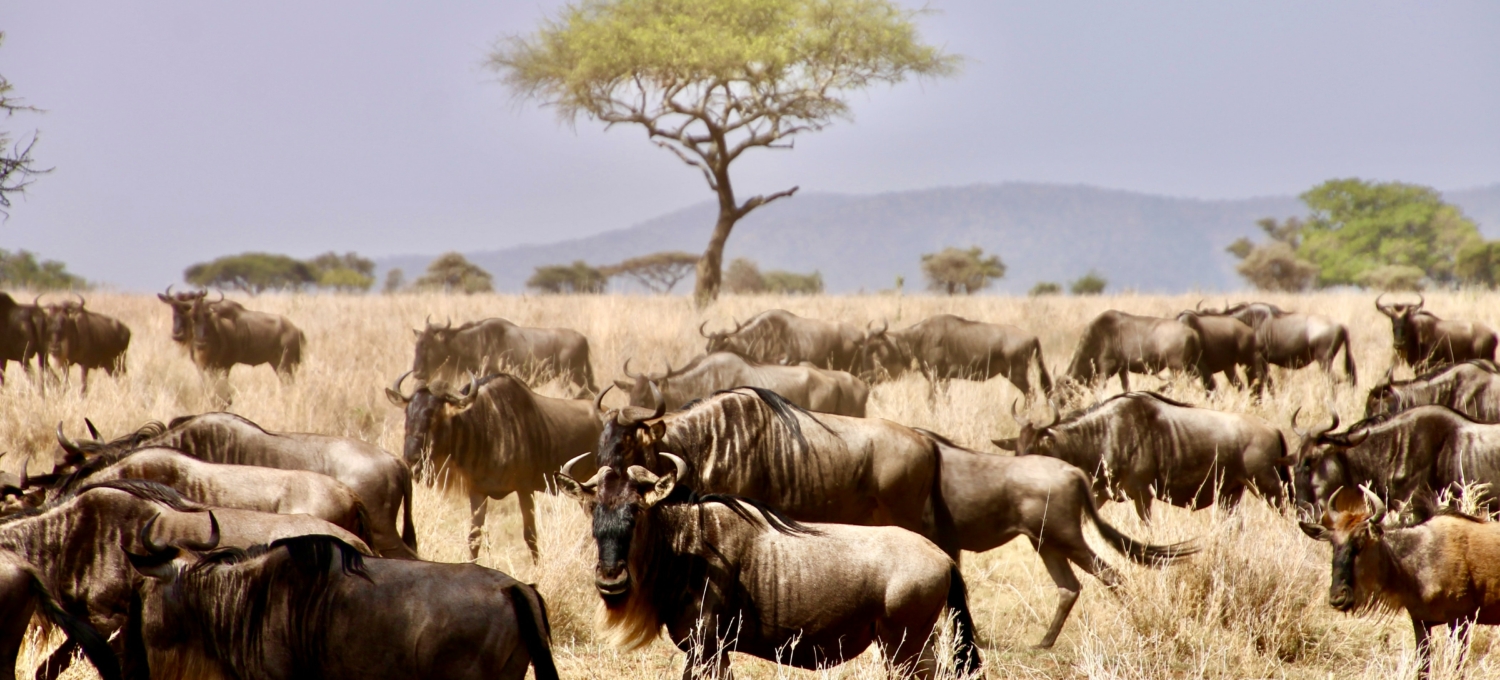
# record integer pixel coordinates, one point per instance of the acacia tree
(658, 272)
(955, 270)
(712, 79)
(17, 168)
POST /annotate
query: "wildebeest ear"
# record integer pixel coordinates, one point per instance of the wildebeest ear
(1006, 444)
(416, 332)
(660, 490)
(658, 430)
(161, 568)
(1316, 532)
(395, 398)
(573, 488)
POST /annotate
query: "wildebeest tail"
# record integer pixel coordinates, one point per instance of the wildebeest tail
(80, 631)
(1141, 553)
(965, 651)
(363, 524)
(534, 629)
(408, 528)
(1041, 369)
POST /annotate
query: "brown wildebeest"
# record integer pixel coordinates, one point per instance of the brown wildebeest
(1227, 344)
(1471, 388)
(1293, 340)
(77, 336)
(312, 606)
(722, 573)
(491, 345)
(22, 592)
(1425, 341)
(812, 388)
(1141, 445)
(382, 481)
(1441, 572)
(225, 334)
(182, 315)
(499, 437)
(947, 347)
(1116, 343)
(23, 336)
(781, 337)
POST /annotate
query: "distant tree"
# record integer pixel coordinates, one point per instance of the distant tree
(658, 272)
(1045, 288)
(572, 278)
(1088, 284)
(711, 79)
(17, 168)
(252, 272)
(1392, 277)
(1357, 227)
(453, 273)
(394, 280)
(1274, 265)
(348, 272)
(1479, 264)
(743, 277)
(792, 283)
(22, 270)
(961, 271)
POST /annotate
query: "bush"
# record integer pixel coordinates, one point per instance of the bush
(1089, 284)
(574, 278)
(348, 272)
(792, 283)
(1392, 277)
(22, 270)
(743, 277)
(953, 270)
(252, 273)
(1045, 288)
(452, 272)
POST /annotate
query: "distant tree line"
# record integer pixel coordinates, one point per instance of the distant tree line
(258, 272)
(661, 272)
(22, 269)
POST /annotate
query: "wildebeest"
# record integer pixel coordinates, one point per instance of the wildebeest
(1227, 344)
(23, 336)
(781, 337)
(723, 573)
(498, 437)
(380, 479)
(1425, 341)
(312, 606)
(1116, 343)
(948, 347)
(1441, 572)
(225, 334)
(492, 345)
(89, 340)
(1141, 445)
(1471, 388)
(1293, 339)
(182, 314)
(1416, 453)
(23, 591)
(812, 388)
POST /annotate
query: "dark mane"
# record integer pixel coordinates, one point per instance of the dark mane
(1382, 418)
(1482, 364)
(1075, 415)
(683, 496)
(785, 410)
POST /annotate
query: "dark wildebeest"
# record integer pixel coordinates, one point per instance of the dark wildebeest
(225, 334)
(781, 337)
(947, 347)
(1471, 388)
(382, 481)
(77, 336)
(492, 345)
(1425, 341)
(812, 388)
(1414, 454)
(1141, 445)
(182, 315)
(23, 336)
(1116, 343)
(499, 437)
(1443, 571)
(22, 592)
(1293, 340)
(724, 574)
(312, 606)
(1227, 344)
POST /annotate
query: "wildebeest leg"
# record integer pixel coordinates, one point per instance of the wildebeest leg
(1464, 629)
(13, 630)
(528, 522)
(1067, 591)
(58, 662)
(1142, 500)
(1125, 379)
(1423, 632)
(705, 657)
(478, 510)
(84, 381)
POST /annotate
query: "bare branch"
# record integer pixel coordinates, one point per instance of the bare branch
(758, 201)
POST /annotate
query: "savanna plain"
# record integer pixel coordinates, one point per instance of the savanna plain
(1252, 604)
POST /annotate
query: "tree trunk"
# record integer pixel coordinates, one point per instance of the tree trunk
(711, 265)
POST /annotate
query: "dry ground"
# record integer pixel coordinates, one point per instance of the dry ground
(1251, 606)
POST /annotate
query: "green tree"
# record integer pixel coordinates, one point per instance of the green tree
(1045, 288)
(22, 270)
(17, 168)
(1274, 265)
(1088, 284)
(454, 273)
(1479, 264)
(792, 283)
(348, 272)
(252, 272)
(658, 272)
(712, 79)
(954, 271)
(567, 278)
(1357, 227)
(743, 277)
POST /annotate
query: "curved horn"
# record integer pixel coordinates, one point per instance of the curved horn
(1297, 430)
(1016, 415)
(395, 389)
(213, 536)
(678, 462)
(628, 374)
(1056, 414)
(567, 468)
(145, 536)
(36, 301)
(1377, 506)
(1383, 309)
(221, 297)
(93, 431)
(701, 326)
(1333, 425)
(67, 444)
(169, 291)
(1199, 308)
(428, 321)
(25, 481)
(599, 400)
(463, 401)
(81, 302)
(668, 374)
(1420, 302)
(449, 324)
(661, 404)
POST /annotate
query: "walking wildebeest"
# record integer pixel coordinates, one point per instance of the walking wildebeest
(812, 388)
(23, 336)
(1471, 388)
(77, 336)
(312, 606)
(1441, 572)
(781, 337)
(1292, 339)
(1116, 343)
(1425, 341)
(723, 573)
(23, 591)
(1227, 344)
(380, 479)
(225, 334)
(499, 437)
(948, 347)
(1142, 445)
(492, 345)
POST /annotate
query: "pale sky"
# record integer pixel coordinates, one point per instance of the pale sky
(182, 130)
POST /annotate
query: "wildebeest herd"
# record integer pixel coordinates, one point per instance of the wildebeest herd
(210, 546)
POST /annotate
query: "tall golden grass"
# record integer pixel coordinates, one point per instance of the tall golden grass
(1252, 605)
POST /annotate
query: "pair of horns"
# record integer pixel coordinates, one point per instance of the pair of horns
(197, 546)
(446, 326)
(1023, 420)
(621, 417)
(460, 400)
(1334, 425)
(1386, 309)
(635, 471)
(646, 376)
(737, 326)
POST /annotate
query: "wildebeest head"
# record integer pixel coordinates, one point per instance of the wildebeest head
(641, 387)
(719, 341)
(205, 317)
(434, 348)
(882, 354)
(1035, 438)
(1352, 525)
(1322, 468)
(619, 502)
(424, 408)
(1401, 315)
(62, 325)
(182, 311)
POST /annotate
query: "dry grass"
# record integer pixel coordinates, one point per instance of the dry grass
(1252, 605)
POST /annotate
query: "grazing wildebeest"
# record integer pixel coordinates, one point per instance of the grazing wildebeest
(812, 388)
(1416, 453)
(312, 606)
(23, 591)
(1227, 344)
(499, 437)
(1142, 445)
(723, 573)
(1471, 388)
(1116, 343)
(1425, 341)
(781, 337)
(1441, 572)
(225, 334)
(382, 481)
(948, 347)
(77, 336)
(492, 345)
(23, 336)
(1292, 339)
